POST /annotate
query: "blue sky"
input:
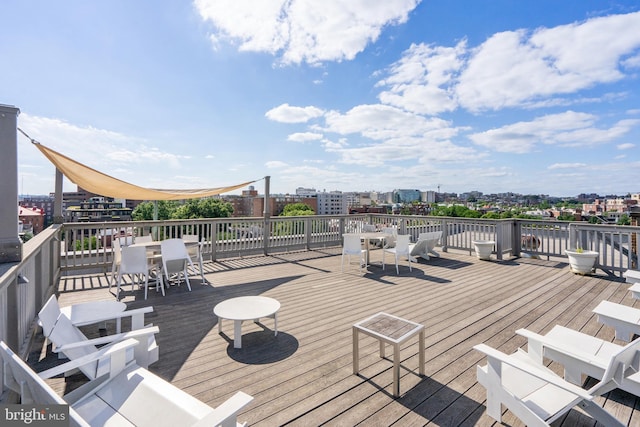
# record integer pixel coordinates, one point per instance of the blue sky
(534, 97)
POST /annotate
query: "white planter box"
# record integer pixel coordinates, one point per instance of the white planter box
(483, 248)
(582, 262)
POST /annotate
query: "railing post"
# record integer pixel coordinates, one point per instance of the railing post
(267, 215)
(573, 236)
(499, 237)
(445, 234)
(516, 243)
(12, 319)
(308, 224)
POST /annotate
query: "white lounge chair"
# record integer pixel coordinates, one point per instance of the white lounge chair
(130, 396)
(401, 249)
(425, 245)
(534, 393)
(353, 246)
(615, 366)
(72, 343)
(624, 319)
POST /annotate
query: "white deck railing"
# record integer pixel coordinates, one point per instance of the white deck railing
(61, 248)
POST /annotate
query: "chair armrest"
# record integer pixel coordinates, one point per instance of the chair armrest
(137, 316)
(110, 338)
(533, 370)
(537, 343)
(116, 350)
(227, 412)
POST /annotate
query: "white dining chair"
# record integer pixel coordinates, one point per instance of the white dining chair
(135, 264)
(352, 246)
(391, 234)
(117, 258)
(195, 252)
(144, 239)
(401, 249)
(175, 260)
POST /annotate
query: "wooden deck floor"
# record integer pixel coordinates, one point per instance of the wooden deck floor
(303, 377)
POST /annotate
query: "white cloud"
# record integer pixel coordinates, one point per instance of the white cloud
(566, 166)
(514, 68)
(310, 31)
(567, 129)
(304, 137)
(422, 80)
(286, 113)
(625, 146)
(380, 122)
(276, 164)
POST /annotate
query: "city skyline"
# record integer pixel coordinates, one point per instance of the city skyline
(525, 97)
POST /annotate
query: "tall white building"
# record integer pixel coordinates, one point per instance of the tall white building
(332, 203)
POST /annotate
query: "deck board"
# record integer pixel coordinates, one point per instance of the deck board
(304, 375)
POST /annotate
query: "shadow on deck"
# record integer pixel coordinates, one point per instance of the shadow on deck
(303, 376)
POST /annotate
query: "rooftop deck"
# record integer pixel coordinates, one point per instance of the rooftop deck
(304, 375)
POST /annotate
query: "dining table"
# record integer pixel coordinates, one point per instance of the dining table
(154, 251)
(367, 237)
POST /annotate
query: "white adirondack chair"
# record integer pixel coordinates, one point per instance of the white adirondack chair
(614, 365)
(534, 393)
(623, 319)
(73, 344)
(400, 250)
(129, 396)
(425, 245)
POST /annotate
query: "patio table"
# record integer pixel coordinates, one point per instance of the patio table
(367, 237)
(389, 329)
(246, 308)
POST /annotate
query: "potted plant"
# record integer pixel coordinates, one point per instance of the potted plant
(483, 248)
(582, 261)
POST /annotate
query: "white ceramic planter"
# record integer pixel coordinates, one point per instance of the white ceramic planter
(483, 248)
(582, 262)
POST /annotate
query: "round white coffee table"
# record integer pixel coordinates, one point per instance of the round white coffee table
(246, 308)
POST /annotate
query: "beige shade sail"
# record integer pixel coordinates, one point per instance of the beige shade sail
(105, 185)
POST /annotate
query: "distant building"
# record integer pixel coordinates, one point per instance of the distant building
(97, 209)
(44, 203)
(428, 196)
(250, 204)
(332, 203)
(406, 196)
(31, 218)
(606, 206)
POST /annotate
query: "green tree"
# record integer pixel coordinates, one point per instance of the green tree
(87, 243)
(203, 208)
(491, 215)
(144, 211)
(297, 209)
(624, 220)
